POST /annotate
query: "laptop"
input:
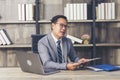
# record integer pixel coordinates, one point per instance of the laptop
(30, 62)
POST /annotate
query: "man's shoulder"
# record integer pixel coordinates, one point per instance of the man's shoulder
(45, 38)
(65, 39)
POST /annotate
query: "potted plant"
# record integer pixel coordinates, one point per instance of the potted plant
(85, 38)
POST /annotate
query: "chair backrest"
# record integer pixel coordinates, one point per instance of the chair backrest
(35, 39)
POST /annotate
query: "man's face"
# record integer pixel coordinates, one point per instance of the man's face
(59, 28)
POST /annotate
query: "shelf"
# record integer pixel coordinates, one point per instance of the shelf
(116, 20)
(48, 21)
(82, 45)
(70, 21)
(41, 22)
(75, 45)
(44, 21)
(16, 46)
(108, 45)
(99, 45)
(17, 22)
(80, 21)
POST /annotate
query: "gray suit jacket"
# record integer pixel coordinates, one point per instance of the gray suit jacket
(48, 52)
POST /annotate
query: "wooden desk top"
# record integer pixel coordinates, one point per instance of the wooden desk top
(17, 74)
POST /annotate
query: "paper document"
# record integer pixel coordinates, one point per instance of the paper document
(94, 59)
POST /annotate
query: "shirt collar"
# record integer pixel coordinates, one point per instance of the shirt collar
(55, 39)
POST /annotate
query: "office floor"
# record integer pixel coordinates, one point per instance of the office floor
(17, 74)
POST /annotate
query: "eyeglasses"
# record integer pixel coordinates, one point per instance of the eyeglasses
(62, 25)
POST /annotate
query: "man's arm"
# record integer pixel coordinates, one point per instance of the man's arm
(72, 66)
(72, 54)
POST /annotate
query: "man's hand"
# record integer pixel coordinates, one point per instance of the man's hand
(83, 60)
(72, 66)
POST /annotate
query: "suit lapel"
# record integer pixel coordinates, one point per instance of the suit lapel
(53, 45)
(54, 48)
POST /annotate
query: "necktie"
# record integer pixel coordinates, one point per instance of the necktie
(59, 51)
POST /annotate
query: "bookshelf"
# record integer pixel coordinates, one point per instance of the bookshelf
(20, 31)
(107, 34)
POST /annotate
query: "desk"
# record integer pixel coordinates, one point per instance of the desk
(17, 74)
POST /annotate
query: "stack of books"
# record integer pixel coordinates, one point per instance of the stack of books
(76, 11)
(105, 11)
(4, 38)
(25, 12)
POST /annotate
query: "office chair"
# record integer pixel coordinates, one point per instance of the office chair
(35, 39)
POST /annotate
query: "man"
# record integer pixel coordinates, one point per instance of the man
(56, 57)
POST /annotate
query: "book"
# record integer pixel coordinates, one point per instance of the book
(29, 12)
(81, 11)
(78, 11)
(75, 39)
(109, 11)
(96, 8)
(74, 11)
(99, 11)
(102, 11)
(19, 12)
(113, 10)
(106, 11)
(71, 12)
(107, 67)
(23, 12)
(2, 40)
(85, 11)
(5, 37)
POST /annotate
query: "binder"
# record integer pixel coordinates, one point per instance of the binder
(107, 67)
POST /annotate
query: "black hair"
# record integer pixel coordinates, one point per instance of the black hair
(55, 18)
